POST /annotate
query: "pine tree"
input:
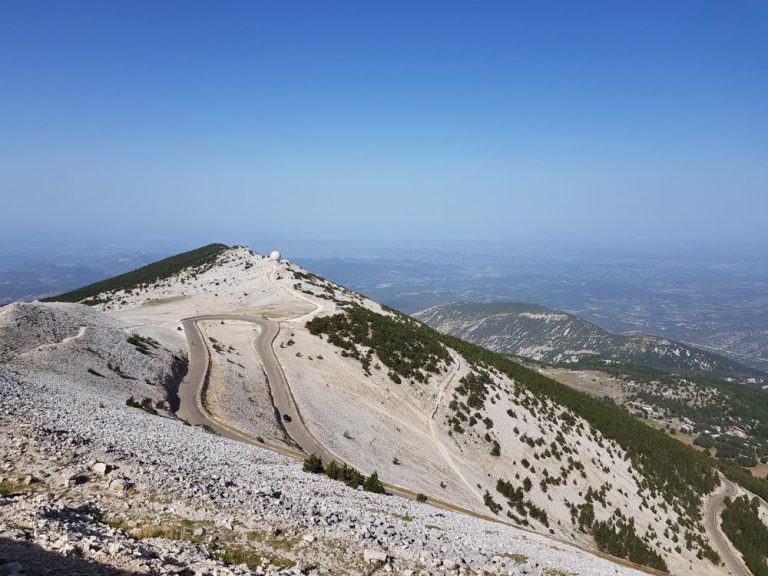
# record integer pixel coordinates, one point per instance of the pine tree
(373, 484)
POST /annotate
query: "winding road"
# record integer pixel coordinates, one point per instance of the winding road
(192, 410)
(711, 521)
(191, 406)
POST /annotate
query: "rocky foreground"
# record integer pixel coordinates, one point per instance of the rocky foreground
(92, 486)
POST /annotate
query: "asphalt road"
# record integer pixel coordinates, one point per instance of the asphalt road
(191, 409)
(712, 523)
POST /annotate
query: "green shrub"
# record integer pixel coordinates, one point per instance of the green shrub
(145, 404)
(314, 464)
(491, 503)
(332, 470)
(373, 484)
(344, 473)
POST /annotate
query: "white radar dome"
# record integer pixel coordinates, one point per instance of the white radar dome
(275, 256)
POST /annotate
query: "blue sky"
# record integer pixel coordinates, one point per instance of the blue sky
(362, 121)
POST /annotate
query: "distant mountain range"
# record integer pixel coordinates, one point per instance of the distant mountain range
(552, 337)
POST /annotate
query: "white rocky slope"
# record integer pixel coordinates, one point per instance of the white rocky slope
(79, 343)
(416, 434)
(406, 433)
(99, 484)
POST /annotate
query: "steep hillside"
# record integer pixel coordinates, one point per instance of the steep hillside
(98, 474)
(535, 332)
(284, 358)
(518, 444)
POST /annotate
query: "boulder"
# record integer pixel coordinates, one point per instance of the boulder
(373, 556)
(69, 478)
(119, 486)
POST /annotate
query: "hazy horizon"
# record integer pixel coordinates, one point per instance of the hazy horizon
(20, 249)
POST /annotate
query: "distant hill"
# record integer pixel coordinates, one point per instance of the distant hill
(552, 337)
(145, 275)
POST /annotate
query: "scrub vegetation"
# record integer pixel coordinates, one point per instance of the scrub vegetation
(743, 526)
(351, 477)
(677, 474)
(729, 417)
(408, 348)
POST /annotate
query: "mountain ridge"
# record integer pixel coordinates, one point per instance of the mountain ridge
(538, 333)
(141, 276)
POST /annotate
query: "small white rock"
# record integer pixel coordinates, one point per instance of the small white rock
(374, 555)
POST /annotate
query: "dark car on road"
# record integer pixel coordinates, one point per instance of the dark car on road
(286, 418)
